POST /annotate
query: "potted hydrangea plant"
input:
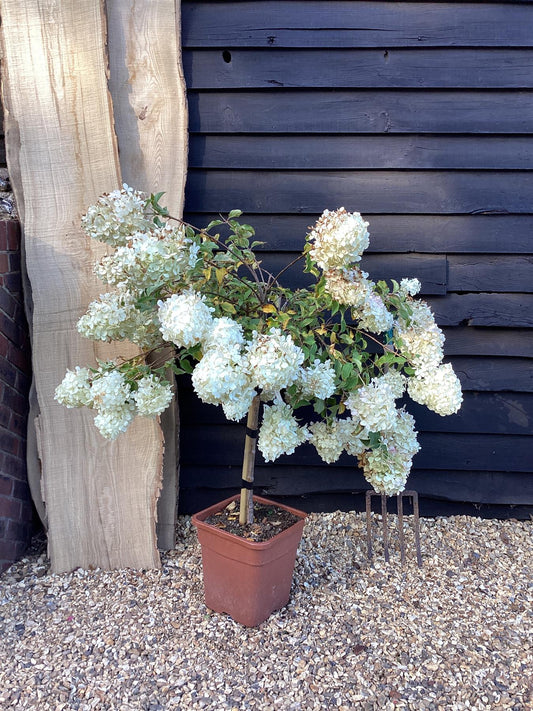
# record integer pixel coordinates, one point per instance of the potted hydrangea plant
(344, 348)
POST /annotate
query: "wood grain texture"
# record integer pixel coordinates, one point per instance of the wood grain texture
(360, 69)
(397, 110)
(355, 152)
(148, 91)
(430, 269)
(100, 496)
(439, 450)
(359, 111)
(400, 233)
(421, 192)
(306, 482)
(481, 412)
(356, 24)
(500, 310)
(490, 273)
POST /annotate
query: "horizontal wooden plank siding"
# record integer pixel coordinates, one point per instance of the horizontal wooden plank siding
(354, 24)
(419, 115)
(358, 111)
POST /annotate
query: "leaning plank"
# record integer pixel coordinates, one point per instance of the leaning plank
(148, 91)
(100, 496)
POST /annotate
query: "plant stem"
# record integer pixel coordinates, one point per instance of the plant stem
(246, 513)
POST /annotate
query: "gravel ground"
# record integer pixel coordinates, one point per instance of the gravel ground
(454, 634)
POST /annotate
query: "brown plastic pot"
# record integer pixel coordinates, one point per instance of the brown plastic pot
(245, 579)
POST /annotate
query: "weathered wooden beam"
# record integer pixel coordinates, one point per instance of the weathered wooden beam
(148, 91)
(100, 496)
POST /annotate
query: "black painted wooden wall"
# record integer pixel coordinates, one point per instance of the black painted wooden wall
(419, 115)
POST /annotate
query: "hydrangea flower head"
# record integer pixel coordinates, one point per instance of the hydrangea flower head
(339, 238)
(116, 216)
(185, 319)
(274, 360)
(279, 433)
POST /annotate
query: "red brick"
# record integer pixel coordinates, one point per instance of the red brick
(13, 466)
(18, 531)
(9, 442)
(21, 491)
(20, 354)
(3, 236)
(4, 345)
(4, 263)
(13, 235)
(10, 508)
(6, 485)
(15, 401)
(13, 282)
(14, 261)
(8, 373)
(8, 303)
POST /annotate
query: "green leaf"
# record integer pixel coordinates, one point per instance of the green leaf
(234, 213)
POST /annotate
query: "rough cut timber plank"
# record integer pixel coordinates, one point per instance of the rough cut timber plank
(309, 23)
(148, 91)
(100, 496)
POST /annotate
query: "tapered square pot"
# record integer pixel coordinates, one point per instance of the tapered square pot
(245, 579)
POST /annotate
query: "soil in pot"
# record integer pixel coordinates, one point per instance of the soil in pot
(269, 520)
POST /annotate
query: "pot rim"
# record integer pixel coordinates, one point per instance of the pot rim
(201, 524)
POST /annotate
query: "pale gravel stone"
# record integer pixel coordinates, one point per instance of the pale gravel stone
(454, 635)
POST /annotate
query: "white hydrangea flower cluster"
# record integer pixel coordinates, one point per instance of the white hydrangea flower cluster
(328, 439)
(347, 286)
(387, 466)
(152, 396)
(373, 405)
(185, 319)
(409, 287)
(75, 389)
(115, 317)
(352, 287)
(438, 389)
(274, 360)
(221, 378)
(112, 396)
(116, 216)
(225, 333)
(420, 340)
(373, 315)
(339, 238)
(155, 257)
(318, 380)
(279, 432)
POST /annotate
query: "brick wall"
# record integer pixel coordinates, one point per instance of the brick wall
(16, 510)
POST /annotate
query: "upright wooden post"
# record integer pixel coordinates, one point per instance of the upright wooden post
(148, 91)
(100, 496)
(246, 513)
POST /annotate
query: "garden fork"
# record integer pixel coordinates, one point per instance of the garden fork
(399, 499)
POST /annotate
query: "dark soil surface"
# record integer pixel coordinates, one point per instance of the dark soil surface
(268, 521)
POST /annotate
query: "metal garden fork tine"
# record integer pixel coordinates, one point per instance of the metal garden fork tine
(384, 517)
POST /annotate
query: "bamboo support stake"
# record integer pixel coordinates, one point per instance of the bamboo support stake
(246, 513)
